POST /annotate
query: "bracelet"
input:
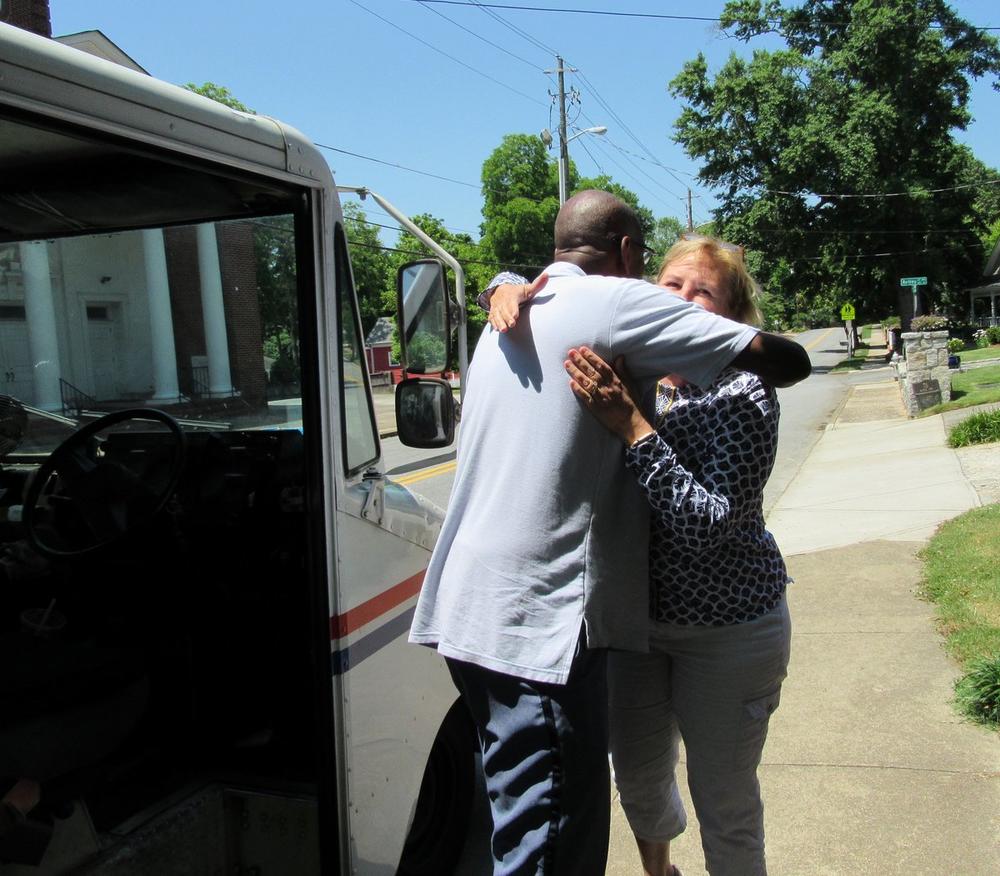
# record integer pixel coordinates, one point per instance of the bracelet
(642, 439)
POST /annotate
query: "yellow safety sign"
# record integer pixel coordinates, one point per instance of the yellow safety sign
(847, 312)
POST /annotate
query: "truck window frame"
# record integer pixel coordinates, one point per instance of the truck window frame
(346, 302)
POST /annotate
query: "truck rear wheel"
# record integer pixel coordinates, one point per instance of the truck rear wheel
(441, 821)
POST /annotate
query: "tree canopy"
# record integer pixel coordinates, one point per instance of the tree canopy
(520, 202)
(834, 158)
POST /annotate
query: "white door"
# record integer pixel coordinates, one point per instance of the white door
(15, 358)
(102, 341)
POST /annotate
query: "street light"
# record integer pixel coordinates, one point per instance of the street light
(564, 154)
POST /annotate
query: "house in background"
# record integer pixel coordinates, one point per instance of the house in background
(378, 352)
(159, 316)
(984, 300)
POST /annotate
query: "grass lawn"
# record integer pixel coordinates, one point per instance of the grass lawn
(976, 386)
(960, 577)
(974, 355)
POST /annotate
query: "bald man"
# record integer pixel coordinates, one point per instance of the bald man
(541, 564)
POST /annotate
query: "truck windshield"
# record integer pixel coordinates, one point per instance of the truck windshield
(199, 320)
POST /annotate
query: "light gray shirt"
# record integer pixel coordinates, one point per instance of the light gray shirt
(545, 532)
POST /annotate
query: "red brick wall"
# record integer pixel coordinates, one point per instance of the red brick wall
(30, 15)
(239, 296)
(239, 290)
(185, 295)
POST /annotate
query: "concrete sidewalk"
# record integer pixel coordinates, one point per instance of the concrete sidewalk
(867, 769)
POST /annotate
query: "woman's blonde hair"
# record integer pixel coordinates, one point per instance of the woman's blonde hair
(742, 289)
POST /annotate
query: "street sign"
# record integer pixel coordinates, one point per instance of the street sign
(847, 312)
(912, 281)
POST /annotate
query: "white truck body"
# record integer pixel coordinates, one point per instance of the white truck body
(273, 715)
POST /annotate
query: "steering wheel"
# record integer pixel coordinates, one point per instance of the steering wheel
(81, 498)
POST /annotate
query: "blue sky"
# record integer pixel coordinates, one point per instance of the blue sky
(435, 87)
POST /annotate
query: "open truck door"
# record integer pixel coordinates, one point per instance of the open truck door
(206, 586)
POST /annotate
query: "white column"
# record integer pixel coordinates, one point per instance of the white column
(39, 308)
(213, 312)
(161, 321)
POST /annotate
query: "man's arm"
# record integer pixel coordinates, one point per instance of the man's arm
(776, 360)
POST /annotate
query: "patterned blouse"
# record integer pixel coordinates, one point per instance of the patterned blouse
(712, 562)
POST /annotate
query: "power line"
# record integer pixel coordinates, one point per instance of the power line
(803, 193)
(846, 232)
(399, 166)
(421, 254)
(478, 36)
(608, 12)
(475, 70)
(648, 15)
(485, 7)
(476, 244)
(912, 193)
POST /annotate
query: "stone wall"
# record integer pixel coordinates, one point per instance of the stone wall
(924, 377)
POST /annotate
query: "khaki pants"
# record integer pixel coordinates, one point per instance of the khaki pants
(716, 688)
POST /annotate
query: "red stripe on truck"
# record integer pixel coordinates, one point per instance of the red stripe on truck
(357, 617)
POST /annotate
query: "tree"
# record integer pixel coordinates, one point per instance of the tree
(606, 184)
(666, 233)
(372, 265)
(864, 100)
(520, 202)
(478, 271)
(274, 252)
(221, 94)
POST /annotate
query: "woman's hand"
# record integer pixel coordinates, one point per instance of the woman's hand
(507, 298)
(607, 393)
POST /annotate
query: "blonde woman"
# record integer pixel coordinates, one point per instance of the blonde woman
(719, 627)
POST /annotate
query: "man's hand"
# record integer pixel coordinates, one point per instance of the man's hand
(507, 298)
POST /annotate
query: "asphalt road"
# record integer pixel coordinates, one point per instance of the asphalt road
(805, 411)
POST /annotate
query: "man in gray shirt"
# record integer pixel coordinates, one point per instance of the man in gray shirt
(541, 561)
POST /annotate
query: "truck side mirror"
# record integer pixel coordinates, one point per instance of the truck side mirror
(425, 412)
(424, 317)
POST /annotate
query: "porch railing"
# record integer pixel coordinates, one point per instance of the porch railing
(194, 380)
(74, 400)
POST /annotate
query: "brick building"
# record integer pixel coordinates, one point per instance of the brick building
(102, 326)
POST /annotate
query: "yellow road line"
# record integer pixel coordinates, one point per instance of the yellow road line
(426, 473)
(818, 340)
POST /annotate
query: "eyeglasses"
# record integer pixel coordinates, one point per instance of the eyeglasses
(647, 252)
(722, 244)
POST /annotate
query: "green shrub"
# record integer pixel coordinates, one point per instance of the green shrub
(987, 337)
(980, 428)
(977, 693)
(956, 345)
(932, 322)
(891, 322)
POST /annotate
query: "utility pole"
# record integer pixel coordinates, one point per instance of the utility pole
(563, 148)
(690, 215)
(563, 139)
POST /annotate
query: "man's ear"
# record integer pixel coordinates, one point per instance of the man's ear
(621, 257)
